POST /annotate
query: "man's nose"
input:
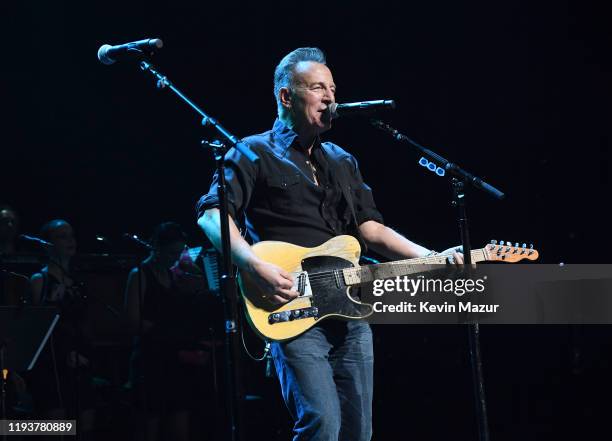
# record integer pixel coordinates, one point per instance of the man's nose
(329, 96)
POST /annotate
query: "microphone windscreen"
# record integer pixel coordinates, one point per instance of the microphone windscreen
(103, 54)
(333, 110)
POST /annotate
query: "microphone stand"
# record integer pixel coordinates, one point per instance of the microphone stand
(458, 180)
(227, 280)
(138, 348)
(3, 384)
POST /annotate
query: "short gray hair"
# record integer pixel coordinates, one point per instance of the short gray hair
(283, 74)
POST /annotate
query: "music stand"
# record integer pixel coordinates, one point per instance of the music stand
(24, 331)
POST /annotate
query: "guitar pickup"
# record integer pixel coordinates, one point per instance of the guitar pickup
(294, 314)
(302, 284)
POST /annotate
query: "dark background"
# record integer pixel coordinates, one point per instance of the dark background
(516, 92)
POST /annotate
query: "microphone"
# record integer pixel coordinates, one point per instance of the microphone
(362, 108)
(108, 54)
(36, 240)
(138, 240)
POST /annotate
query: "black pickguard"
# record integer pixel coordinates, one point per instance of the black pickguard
(329, 292)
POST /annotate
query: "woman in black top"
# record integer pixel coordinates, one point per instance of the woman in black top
(62, 379)
(168, 381)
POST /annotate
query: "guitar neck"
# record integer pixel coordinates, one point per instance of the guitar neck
(368, 273)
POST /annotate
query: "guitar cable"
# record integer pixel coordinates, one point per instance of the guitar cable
(267, 356)
(265, 352)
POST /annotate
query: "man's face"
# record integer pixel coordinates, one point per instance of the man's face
(313, 91)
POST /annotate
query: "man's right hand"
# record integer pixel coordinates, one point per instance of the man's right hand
(274, 281)
(271, 280)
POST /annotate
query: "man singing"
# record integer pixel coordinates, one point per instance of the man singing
(305, 192)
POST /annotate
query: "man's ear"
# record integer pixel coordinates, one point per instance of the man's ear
(285, 97)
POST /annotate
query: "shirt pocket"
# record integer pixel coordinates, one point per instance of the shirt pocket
(284, 193)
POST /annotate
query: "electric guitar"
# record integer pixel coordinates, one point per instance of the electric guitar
(324, 276)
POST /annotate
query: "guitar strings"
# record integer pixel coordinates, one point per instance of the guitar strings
(418, 261)
(330, 274)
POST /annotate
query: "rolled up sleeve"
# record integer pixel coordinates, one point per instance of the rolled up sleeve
(240, 176)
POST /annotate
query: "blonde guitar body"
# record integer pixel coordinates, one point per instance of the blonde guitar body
(324, 277)
(339, 252)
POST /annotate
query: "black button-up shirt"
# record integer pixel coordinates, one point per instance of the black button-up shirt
(279, 198)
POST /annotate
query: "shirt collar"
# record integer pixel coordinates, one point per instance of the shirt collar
(285, 137)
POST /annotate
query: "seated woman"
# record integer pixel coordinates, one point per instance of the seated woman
(61, 380)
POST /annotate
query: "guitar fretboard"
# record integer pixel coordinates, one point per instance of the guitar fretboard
(364, 274)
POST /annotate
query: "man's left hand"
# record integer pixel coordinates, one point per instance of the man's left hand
(457, 255)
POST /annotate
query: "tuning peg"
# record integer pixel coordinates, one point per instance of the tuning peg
(516, 247)
(501, 242)
(524, 245)
(516, 244)
(530, 250)
(493, 242)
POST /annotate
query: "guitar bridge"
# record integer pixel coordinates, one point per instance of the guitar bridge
(295, 314)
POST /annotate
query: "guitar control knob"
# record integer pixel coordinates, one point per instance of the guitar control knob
(273, 318)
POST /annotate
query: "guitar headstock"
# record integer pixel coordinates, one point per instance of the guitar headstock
(506, 252)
